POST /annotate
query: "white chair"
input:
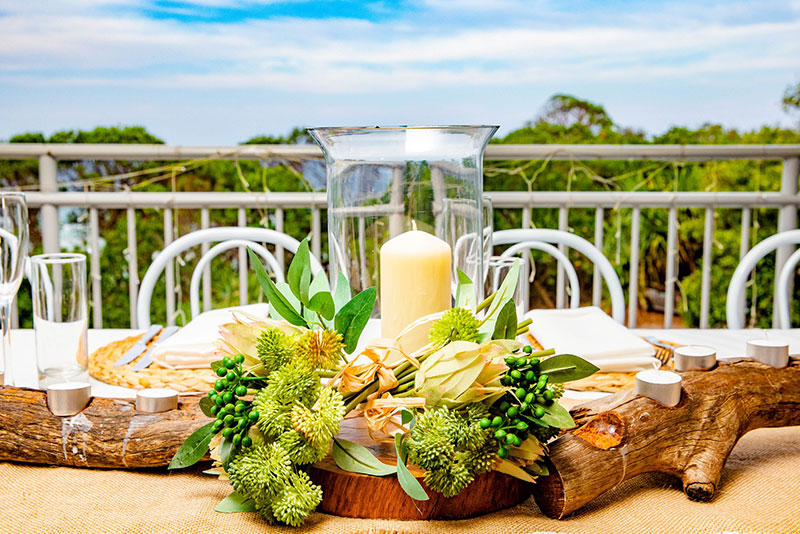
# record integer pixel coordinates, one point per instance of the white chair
(734, 305)
(227, 237)
(543, 239)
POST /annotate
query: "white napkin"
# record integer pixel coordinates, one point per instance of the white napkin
(592, 335)
(194, 346)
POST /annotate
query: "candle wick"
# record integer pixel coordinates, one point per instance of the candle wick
(413, 225)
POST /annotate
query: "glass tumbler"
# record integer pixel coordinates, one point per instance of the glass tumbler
(60, 317)
(384, 182)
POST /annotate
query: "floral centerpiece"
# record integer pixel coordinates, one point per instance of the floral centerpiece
(472, 400)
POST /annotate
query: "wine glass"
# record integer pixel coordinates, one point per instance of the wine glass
(13, 250)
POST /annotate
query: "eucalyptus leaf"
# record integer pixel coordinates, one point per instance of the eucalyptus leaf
(319, 284)
(407, 417)
(276, 299)
(557, 416)
(355, 458)
(506, 325)
(299, 275)
(235, 502)
(407, 481)
(465, 292)
(194, 448)
(352, 318)
(322, 302)
(566, 367)
(341, 294)
(503, 294)
(205, 406)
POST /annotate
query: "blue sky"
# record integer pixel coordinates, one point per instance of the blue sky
(221, 71)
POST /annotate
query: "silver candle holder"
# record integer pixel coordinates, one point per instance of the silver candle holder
(664, 387)
(68, 398)
(772, 352)
(154, 400)
(694, 358)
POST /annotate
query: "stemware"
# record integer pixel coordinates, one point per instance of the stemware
(13, 250)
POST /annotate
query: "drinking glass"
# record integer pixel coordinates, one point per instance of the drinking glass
(13, 250)
(497, 270)
(60, 317)
(457, 230)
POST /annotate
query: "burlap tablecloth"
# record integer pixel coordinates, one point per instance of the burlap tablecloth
(760, 492)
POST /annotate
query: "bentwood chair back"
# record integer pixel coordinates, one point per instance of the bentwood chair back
(226, 237)
(544, 239)
(734, 305)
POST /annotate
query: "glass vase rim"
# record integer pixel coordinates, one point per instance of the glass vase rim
(405, 127)
(56, 258)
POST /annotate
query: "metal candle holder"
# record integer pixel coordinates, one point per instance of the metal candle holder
(771, 352)
(694, 358)
(663, 387)
(68, 398)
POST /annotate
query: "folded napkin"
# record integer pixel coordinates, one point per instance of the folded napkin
(594, 336)
(195, 345)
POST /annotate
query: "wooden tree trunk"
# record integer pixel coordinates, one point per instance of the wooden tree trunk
(620, 437)
(108, 433)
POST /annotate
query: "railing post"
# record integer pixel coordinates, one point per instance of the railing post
(48, 214)
(787, 220)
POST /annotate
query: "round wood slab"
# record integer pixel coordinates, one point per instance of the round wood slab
(354, 495)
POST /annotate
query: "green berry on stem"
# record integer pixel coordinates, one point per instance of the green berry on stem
(522, 425)
(247, 441)
(513, 411)
(530, 375)
(214, 410)
(237, 439)
(485, 423)
(239, 408)
(239, 358)
(227, 397)
(502, 452)
(227, 433)
(221, 371)
(253, 415)
(523, 407)
(511, 361)
(515, 374)
(227, 362)
(497, 421)
(229, 408)
(241, 390)
(517, 441)
(500, 434)
(529, 398)
(538, 412)
(510, 439)
(527, 349)
(520, 393)
(548, 395)
(219, 385)
(230, 377)
(534, 361)
(228, 420)
(217, 426)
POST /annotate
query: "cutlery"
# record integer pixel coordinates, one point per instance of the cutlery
(663, 351)
(145, 361)
(139, 347)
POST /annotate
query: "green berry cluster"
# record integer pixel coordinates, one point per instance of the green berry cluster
(234, 414)
(523, 405)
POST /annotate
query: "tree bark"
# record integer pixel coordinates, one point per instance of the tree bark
(622, 436)
(107, 433)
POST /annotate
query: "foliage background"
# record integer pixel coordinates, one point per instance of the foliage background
(565, 119)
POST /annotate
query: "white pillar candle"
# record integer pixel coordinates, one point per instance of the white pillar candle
(774, 352)
(68, 398)
(415, 281)
(663, 387)
(694, 358)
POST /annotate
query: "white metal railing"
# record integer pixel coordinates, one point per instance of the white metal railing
(48, 199)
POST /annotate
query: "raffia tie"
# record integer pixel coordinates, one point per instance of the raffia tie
(379, 412)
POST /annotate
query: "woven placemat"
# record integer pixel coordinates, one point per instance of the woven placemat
(101, 367)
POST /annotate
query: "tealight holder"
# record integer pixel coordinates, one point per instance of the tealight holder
(772, 352)
(664, 387)
(694, 358)
(68, 398)
(154, 400)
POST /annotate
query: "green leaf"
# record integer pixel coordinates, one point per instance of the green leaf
(465, 292)
(194, 448)
(319, 283)
(299, 275)
(341, 295)
(216, 365)
(506, 325)
(352, 318)
(235, 502)
(557, 416)
(407, 481)
(407, 417)
(276, 299)
(227, 450)
(322, 302)
(205, 406)
(566, 367)
(503, 294)
(355, 458)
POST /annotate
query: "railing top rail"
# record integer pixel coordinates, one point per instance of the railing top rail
(500, 199)
(78, 151)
